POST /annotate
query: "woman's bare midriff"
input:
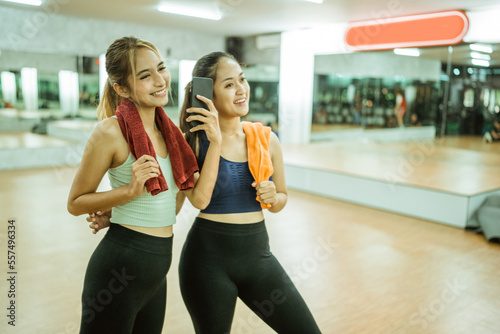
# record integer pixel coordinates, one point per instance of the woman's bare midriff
(234, 218)
(162, 232)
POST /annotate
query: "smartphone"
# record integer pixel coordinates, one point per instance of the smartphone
(204, 87)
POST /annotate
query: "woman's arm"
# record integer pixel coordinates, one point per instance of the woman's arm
(201, 194)
(97, 159)
(179, 202)
(274, 192)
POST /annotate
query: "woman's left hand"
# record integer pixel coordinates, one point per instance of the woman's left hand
(266, 191)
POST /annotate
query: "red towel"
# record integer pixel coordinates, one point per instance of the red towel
(182, 158)
(259, 158)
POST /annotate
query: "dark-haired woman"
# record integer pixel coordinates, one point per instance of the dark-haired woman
(226, 254)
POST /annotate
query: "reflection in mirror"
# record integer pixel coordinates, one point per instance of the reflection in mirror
(172, 107)
(29, 86)
(472, 103)
(48, 91)
(54, 98)
(8, 94)
(374, 90)
(47, 67)
(173, 68)
(68, 93)
(358, 89)
(88, 86)
(264, 87)
(10, 88)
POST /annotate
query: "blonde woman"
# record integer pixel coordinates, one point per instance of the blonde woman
(125, 282)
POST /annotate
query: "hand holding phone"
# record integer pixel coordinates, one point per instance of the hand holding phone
(203, 87)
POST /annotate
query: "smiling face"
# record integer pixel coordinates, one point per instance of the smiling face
(231, 89)
(149, 86)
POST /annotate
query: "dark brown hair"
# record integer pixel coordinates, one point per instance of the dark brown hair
(205, 67)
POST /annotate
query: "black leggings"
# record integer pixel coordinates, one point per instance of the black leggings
(221, 262)
(125, 286)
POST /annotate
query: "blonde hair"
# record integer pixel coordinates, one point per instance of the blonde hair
(120, 65)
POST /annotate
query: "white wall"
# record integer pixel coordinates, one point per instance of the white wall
(255, 55)
(44, 62)
(48, 32)
(298, 51)
(484, 26)
(378, 65)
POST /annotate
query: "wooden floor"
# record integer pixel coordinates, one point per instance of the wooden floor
(13, 140)
(474, 143)
(330, 127)
(360, 270)
(460, 165)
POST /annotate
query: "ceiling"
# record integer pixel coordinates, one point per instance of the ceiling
(460, 54)
(252, 17)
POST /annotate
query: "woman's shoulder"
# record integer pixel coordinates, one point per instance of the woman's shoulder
(273, 138)
(109, 135)
(108, 128)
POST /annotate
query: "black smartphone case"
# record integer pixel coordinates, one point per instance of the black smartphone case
(203, 87)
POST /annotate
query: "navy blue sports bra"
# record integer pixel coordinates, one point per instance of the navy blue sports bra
(233, 191)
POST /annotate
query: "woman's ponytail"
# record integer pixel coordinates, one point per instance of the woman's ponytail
(109, 102)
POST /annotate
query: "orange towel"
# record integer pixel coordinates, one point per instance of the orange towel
(259, 158)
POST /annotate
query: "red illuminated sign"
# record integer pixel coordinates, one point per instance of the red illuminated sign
(442, 28)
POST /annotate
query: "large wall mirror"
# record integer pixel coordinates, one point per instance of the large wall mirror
(360, 90)
(67, 87)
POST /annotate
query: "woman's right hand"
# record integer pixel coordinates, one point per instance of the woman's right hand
(210, 119)
(143, 169)
(99, 220)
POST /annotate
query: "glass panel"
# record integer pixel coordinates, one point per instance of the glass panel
(264, 101)
(88, 86)
(8, 94)
(48, 91)
(370, 102)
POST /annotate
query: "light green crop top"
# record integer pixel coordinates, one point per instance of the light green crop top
(145, 210)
